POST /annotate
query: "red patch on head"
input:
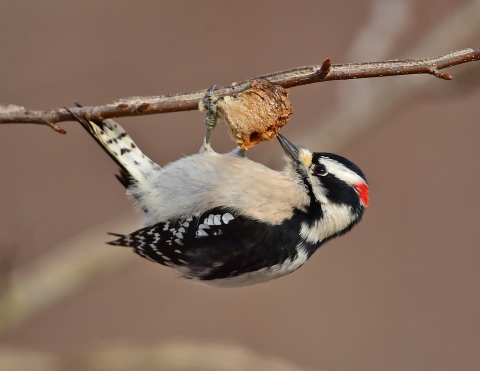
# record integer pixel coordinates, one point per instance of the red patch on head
(362, 190)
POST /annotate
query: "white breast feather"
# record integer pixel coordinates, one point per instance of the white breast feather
(335, 218)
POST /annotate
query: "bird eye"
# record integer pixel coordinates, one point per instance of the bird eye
(320, 170)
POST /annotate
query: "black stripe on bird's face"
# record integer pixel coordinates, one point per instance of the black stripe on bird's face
(338, 179)
(317, 156)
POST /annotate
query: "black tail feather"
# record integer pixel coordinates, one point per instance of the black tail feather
(124, 178)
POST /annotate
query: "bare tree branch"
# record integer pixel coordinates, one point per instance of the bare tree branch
(360, 113)
(18, 298)
(137, 106)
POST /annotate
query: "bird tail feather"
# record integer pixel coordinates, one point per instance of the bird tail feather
(112, 137)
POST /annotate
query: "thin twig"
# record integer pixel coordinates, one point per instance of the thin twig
(138, 106)
(457, 29)
(362, 110)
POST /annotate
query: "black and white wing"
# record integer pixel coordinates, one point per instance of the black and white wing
(219, 245)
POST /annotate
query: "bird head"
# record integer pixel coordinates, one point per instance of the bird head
(337, 188)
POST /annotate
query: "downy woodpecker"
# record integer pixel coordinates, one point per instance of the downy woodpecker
(227, 221)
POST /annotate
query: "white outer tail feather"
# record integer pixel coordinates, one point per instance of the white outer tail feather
(115, 140)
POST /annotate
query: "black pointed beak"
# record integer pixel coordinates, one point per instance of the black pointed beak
(289, 148)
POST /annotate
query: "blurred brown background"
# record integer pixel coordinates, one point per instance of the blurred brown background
(400, 292)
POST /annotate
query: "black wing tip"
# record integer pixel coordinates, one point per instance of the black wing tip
(117, 242)
(116, 234)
